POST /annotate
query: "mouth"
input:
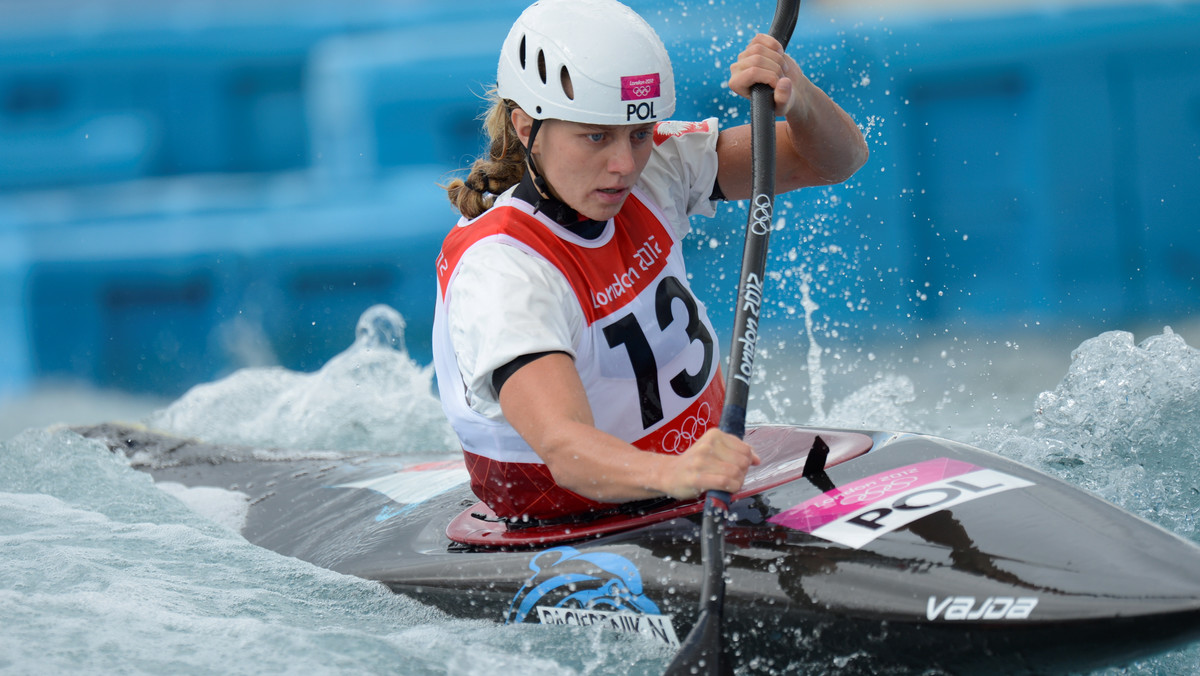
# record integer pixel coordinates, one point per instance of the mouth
(613, 193)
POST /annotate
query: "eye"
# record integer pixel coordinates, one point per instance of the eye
(596, 137)
(641, 135)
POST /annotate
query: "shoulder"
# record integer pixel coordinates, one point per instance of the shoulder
(682, 170)
(502, 260)
(685, 144)
(509, 221)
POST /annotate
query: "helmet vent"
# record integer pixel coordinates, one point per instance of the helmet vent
(542, 65)
(521, 52)
(564, 79)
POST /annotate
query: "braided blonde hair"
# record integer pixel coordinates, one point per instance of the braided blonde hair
(499, 170)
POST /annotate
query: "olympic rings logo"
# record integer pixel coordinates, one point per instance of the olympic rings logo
(642, 91)
(875, 492)
(692, 428)
(760, 216)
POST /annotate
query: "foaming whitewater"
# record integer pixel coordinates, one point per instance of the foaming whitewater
(105, 573)
(372, 397)
(1123, 423)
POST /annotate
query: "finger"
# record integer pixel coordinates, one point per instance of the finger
(783, 96)
(720, 482)
(767, 41)
(760, 57)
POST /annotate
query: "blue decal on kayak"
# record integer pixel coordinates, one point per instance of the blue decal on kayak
(564, 577)
(389, 511)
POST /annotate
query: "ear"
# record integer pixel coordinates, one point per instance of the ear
(523, 124)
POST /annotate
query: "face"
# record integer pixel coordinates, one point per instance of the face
(591, 168)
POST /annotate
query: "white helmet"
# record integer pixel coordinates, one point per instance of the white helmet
(589, 61)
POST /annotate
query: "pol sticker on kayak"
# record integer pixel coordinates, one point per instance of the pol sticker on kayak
(858, 513)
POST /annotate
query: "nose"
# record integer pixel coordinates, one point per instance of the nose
(620, 158)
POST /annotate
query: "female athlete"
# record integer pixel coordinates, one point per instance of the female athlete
(573, 360)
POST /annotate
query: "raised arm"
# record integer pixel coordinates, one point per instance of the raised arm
(817, 143)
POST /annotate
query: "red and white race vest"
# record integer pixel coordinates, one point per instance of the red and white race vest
(648, 357)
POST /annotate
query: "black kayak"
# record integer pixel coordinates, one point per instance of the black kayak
(889, 552)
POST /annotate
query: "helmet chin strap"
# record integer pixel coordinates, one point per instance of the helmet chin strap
(534, 190)
(539, 182)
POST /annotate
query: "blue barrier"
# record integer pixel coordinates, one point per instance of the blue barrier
(403, 97)
(120, 106)
(116, 94)
(219, 276)
(15, 350)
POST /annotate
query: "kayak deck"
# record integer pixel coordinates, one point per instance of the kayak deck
(478, 525)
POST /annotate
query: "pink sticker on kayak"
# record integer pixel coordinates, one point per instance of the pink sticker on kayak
(861, 511)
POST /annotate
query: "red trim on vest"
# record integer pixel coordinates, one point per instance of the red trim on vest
(601, 277)
(676, 436)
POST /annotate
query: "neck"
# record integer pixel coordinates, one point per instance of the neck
(558, 211)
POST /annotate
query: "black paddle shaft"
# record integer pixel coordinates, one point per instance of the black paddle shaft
(703, 651)
(758, 233)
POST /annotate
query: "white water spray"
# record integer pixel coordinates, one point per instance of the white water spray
(816, 375)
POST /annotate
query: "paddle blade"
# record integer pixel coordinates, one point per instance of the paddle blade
(702, 652)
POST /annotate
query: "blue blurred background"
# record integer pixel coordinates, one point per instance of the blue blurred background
(191, 187)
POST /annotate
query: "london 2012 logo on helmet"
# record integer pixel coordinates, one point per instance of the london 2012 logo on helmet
(635, 87)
